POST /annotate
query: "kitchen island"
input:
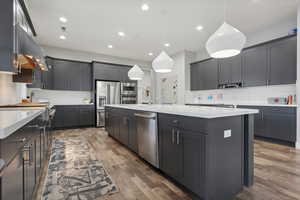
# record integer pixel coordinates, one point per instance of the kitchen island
(207, 150)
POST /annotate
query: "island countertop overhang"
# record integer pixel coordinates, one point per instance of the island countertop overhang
(189, 111)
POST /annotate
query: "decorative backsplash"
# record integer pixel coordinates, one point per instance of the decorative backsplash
(240, 95)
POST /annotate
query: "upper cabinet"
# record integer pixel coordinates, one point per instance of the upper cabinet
(271, 63)
(230, 70)
(71, 75)
(204, 75)
(283, 61)
(16, 32)
(255, 66)
(110, 72)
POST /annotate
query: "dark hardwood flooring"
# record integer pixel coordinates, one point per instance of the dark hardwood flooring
(277, 172)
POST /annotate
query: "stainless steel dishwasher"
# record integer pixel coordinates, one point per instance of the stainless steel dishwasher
(147, 137)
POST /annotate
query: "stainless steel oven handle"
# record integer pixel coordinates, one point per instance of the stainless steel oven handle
(149, 116)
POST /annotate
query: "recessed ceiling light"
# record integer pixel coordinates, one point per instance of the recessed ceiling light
(150, 54)
(145, 7)
(167, 44)
(63, 19)
(199, 28)
(62, 37)
(122, 34)
(110, 46)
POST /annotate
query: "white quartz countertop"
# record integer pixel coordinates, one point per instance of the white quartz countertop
(12, 119)
(191, 111)
(248, 104)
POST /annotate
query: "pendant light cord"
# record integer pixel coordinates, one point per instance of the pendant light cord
(225, 10)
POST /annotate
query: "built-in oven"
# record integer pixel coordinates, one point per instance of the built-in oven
(128, 93)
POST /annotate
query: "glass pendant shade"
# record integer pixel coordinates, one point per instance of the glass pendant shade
(226, 42)
(163, 63)
(135, 73)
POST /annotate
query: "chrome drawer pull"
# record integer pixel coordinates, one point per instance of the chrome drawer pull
(178, 137)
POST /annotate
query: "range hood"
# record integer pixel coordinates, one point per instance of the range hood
(29, 53)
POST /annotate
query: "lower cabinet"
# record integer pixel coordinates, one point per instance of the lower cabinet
(275, 122)
(121, 125)
(24, 164)
(12, 180)
(70, 116)
(183, 157)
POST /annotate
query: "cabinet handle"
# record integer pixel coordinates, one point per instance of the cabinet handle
(33, 126)
(175, 121)
(178, 137)
(262, 115)
(173, 136)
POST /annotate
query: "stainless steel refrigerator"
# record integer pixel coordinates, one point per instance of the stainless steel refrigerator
(107, 92)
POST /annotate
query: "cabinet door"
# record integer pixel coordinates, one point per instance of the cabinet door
(197, 74)
(283, 61)
(171, 153)
(37, 80)
(255, 66)
(116, 127)
(86, 77)
(86, 116)
(29, 170)
(106, 72)
(71, 116)
(124, 71)
(281, 126)
(210, 74)
(124, 130)
(194, 161)
(59, 117)
(74, 76)
(133, 140)
(47, 76)
(12, 180)
(61, 75)
(225, 71)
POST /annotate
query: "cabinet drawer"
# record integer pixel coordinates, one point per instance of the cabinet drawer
(186, 123)
(10, 146)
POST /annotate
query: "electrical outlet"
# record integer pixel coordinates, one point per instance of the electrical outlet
(227, 133)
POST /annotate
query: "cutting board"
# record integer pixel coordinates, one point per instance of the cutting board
(25, 105)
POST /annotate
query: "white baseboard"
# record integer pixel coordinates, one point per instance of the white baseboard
(298, 145)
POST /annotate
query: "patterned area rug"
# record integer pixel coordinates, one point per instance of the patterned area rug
(74, 173)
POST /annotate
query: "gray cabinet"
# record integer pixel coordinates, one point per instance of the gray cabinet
(72, 116)
(275, 122)
(12, 180)
(106, 72)
(255, 66)
(283, 61)
(69, 75)
(11, 21)
(110, 72)
(171, 158)
(230, 70)
(124, 130)
(21, 175)
(204, 75)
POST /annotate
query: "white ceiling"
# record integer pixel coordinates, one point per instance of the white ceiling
(93, 24)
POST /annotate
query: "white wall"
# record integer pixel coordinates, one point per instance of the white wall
(251, 95)
(10, 92)
(57, 97)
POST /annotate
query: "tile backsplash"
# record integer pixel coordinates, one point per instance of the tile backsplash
(10, 92)
(240, 95)
(57, 97)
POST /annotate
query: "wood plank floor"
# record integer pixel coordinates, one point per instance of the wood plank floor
(277, 172)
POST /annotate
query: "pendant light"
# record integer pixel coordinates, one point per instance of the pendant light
(226, 42)
(163, 63)
(135, 73)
